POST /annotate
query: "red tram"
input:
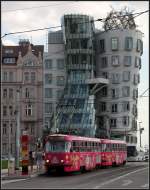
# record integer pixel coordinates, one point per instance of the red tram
(74, 153)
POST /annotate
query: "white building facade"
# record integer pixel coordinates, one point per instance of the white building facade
(54, 75)
(118, 58)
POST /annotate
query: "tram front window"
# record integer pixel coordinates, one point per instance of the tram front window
(57, 146)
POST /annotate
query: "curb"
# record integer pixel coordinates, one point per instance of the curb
(20, 177)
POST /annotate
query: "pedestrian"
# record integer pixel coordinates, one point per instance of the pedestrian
(31, 160)
(39, 159)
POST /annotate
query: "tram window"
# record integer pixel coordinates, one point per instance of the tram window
(103, 147)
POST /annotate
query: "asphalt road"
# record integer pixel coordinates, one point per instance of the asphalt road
(132, 175)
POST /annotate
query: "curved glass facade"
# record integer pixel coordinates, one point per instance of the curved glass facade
(75, 111)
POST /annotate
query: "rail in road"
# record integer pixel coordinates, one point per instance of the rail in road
(132, 175)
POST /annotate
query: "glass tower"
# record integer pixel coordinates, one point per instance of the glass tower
(75, 113)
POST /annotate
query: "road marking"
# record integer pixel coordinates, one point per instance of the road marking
(145, 185)
(127, 182)
(115, 179)
(11, 181)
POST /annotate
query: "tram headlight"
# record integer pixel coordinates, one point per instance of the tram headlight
(47, 161)
(61, 161)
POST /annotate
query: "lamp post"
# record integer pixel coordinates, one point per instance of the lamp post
(140, 130)
(17, 155)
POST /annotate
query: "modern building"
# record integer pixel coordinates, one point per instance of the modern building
(22, 90)
(118, 58)
(75, 110)
(54, 76)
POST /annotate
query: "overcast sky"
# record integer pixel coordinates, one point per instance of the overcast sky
(50, 13)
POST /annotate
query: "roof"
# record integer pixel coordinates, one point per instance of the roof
(73, 137)
(23, 49)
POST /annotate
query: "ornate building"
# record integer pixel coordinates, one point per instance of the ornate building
(22, 71)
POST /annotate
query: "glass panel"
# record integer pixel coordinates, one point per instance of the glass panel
(127, 60)
(114, 43)
(57, 146)
(128, 43)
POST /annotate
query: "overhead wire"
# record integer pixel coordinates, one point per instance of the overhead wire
(102, 20)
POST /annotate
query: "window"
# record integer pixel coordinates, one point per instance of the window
(11, 128)
(64, 119)
(128, 43)
(138, 62)
(104, 91)
(139, 47)
(125, 106)
(102, 45)
(113, 123)
(136, 79)
(76, 118)
(114, 43)
(134, 110)
(11, 148)
(4, 128)
(126, 76)
(125, 91)
(104, 62)
(5, 76)
(105, 75)
(115, 78)
(114, 108)
(103, 106)
(10, 110)
(115, 92)
(48, 64)
(10, 93)
(9, 60)
(74, 89)
(5, 93)
(4, 148)
(125, 120)
(60, 81)
(84, 44)
(28, 110)
(32, 76)
(48, 93)
(29, 62)
(11, 79)
(48, 78)
(48, 108)
(127, 60)
(26, 76)
(135, 93)
(4, 110)
(115, 60)
(80, 103)
(59, 93)
(27, 93)
(83, 89)
(60, 63)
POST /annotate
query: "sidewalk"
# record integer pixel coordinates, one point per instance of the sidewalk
(18, 173)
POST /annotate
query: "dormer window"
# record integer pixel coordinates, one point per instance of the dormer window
(10, 60)
(29, 63)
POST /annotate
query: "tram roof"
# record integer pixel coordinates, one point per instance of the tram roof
(74, 137)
